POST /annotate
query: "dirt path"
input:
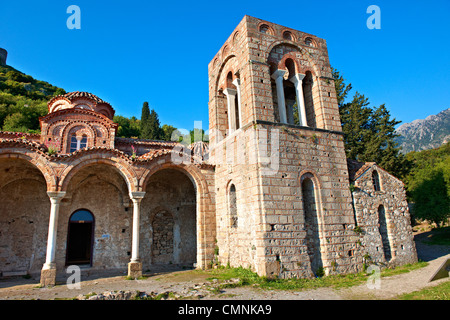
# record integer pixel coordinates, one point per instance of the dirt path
(193, 285)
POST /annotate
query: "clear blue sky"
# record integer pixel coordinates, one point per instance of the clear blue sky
(128, 52)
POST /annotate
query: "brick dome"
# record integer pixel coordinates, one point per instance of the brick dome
(81, 100)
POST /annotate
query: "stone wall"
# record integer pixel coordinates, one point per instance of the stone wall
(24, 212)
(169, 220)
(398, 231)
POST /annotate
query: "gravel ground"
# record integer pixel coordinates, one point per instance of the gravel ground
(191, 285)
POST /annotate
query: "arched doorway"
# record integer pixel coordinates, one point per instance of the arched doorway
(80, 238)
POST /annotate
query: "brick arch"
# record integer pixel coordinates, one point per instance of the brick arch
(125, 170)
(191, 171)
(304, 53)
(37, 160)
(310, 172)
(205, 215)
(223, 70)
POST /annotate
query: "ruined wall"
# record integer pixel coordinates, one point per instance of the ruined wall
(168, 220)
(392, 197)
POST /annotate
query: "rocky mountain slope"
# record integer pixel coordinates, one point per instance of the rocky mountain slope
(423, 134)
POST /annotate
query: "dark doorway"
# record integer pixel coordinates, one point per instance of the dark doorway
(80, 238)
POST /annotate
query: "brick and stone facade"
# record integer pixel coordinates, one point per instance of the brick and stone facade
(271, 191)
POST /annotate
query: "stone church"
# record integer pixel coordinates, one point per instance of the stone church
(271, 191)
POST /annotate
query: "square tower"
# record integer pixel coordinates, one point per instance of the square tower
(283, 205)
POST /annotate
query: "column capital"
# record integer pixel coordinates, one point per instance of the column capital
(297, 78)
(137, 195)
(236, 82)
(56, 195)
(230, 92)
(277, 74)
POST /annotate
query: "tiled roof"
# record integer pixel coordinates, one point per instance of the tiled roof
(145, 142)
(79, 94)
(356, 168)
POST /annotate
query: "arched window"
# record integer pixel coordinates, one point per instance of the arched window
(76, 143)
(80, 238)
(375, 181)
(290, 93)
(73, 143)
(233, 207)
(309, 42)
(264, 28)
(311, 225)
(287, 35)
(83, 142)
(382, 227)
(233, 102)
(307, 88)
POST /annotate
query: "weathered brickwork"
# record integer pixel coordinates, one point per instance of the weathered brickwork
(268, 192)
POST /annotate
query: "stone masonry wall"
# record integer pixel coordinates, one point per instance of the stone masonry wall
(392, 197)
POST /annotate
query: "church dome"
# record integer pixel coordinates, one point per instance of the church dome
(81, 100)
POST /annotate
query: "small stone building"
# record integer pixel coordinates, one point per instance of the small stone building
(381, 213)
(272, 190)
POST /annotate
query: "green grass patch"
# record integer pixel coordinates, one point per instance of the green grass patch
(246, 277)
(439, 292)
(403, 269)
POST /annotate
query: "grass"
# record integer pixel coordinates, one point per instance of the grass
(439, 292)
(249, 278)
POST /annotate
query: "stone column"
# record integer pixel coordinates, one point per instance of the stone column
(48, 272)
(231, 96)
(298, 81)
(135, 265)
(278, 77)
(237, 83)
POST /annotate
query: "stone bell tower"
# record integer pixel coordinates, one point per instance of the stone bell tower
(282, 191)
(3, 56)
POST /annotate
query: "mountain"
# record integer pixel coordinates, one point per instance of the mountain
(423, 134)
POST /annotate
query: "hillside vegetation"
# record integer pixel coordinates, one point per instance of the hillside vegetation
(23, 100)
(428, 184)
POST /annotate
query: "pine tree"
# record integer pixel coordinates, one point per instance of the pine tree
(154, 128)
(369, 133)
(145, 115)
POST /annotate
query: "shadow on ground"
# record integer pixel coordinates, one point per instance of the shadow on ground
(433, 244)
(88, 274)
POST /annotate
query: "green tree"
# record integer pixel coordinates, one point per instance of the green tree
(169, 132)
(150, 126)
(154, 127)
(144, 124)
(428, 184)
(128, 127)
(369, 132)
